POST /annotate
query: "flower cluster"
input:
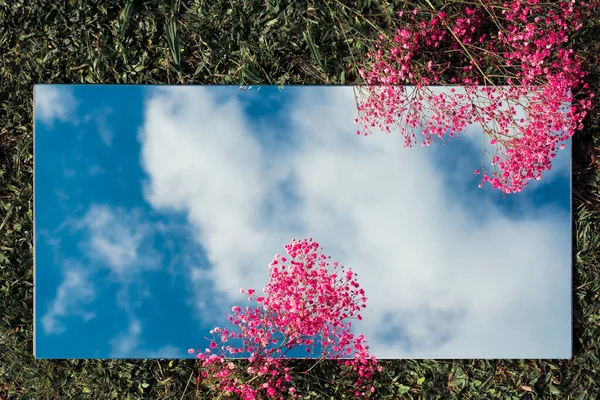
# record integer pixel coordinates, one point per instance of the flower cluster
(305, 304)
(529, 49)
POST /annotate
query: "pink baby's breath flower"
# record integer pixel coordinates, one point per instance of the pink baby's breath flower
(532, 56)
(303, 302)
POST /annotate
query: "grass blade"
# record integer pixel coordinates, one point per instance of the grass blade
(173, 41)
(313, 50)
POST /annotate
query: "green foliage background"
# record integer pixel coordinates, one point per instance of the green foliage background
(242, 42)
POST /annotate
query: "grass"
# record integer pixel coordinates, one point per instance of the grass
(247, 42)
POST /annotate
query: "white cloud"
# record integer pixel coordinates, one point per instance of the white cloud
(100, 117)
(168, 351)
(116, 238)
(105, 132)
(96, 170)
(53, 102)
(74, 291)
(124, 344)
(240, 189)
(120, 240)
(442, 280)
(129, 345)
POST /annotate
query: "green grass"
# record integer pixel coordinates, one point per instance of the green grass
(253, 42)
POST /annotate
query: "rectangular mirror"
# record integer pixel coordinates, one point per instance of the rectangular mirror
(154, 205)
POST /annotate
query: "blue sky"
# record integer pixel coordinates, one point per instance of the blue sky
(155, 204)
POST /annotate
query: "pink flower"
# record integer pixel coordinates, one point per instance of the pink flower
(532, 56)
(303, 303)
